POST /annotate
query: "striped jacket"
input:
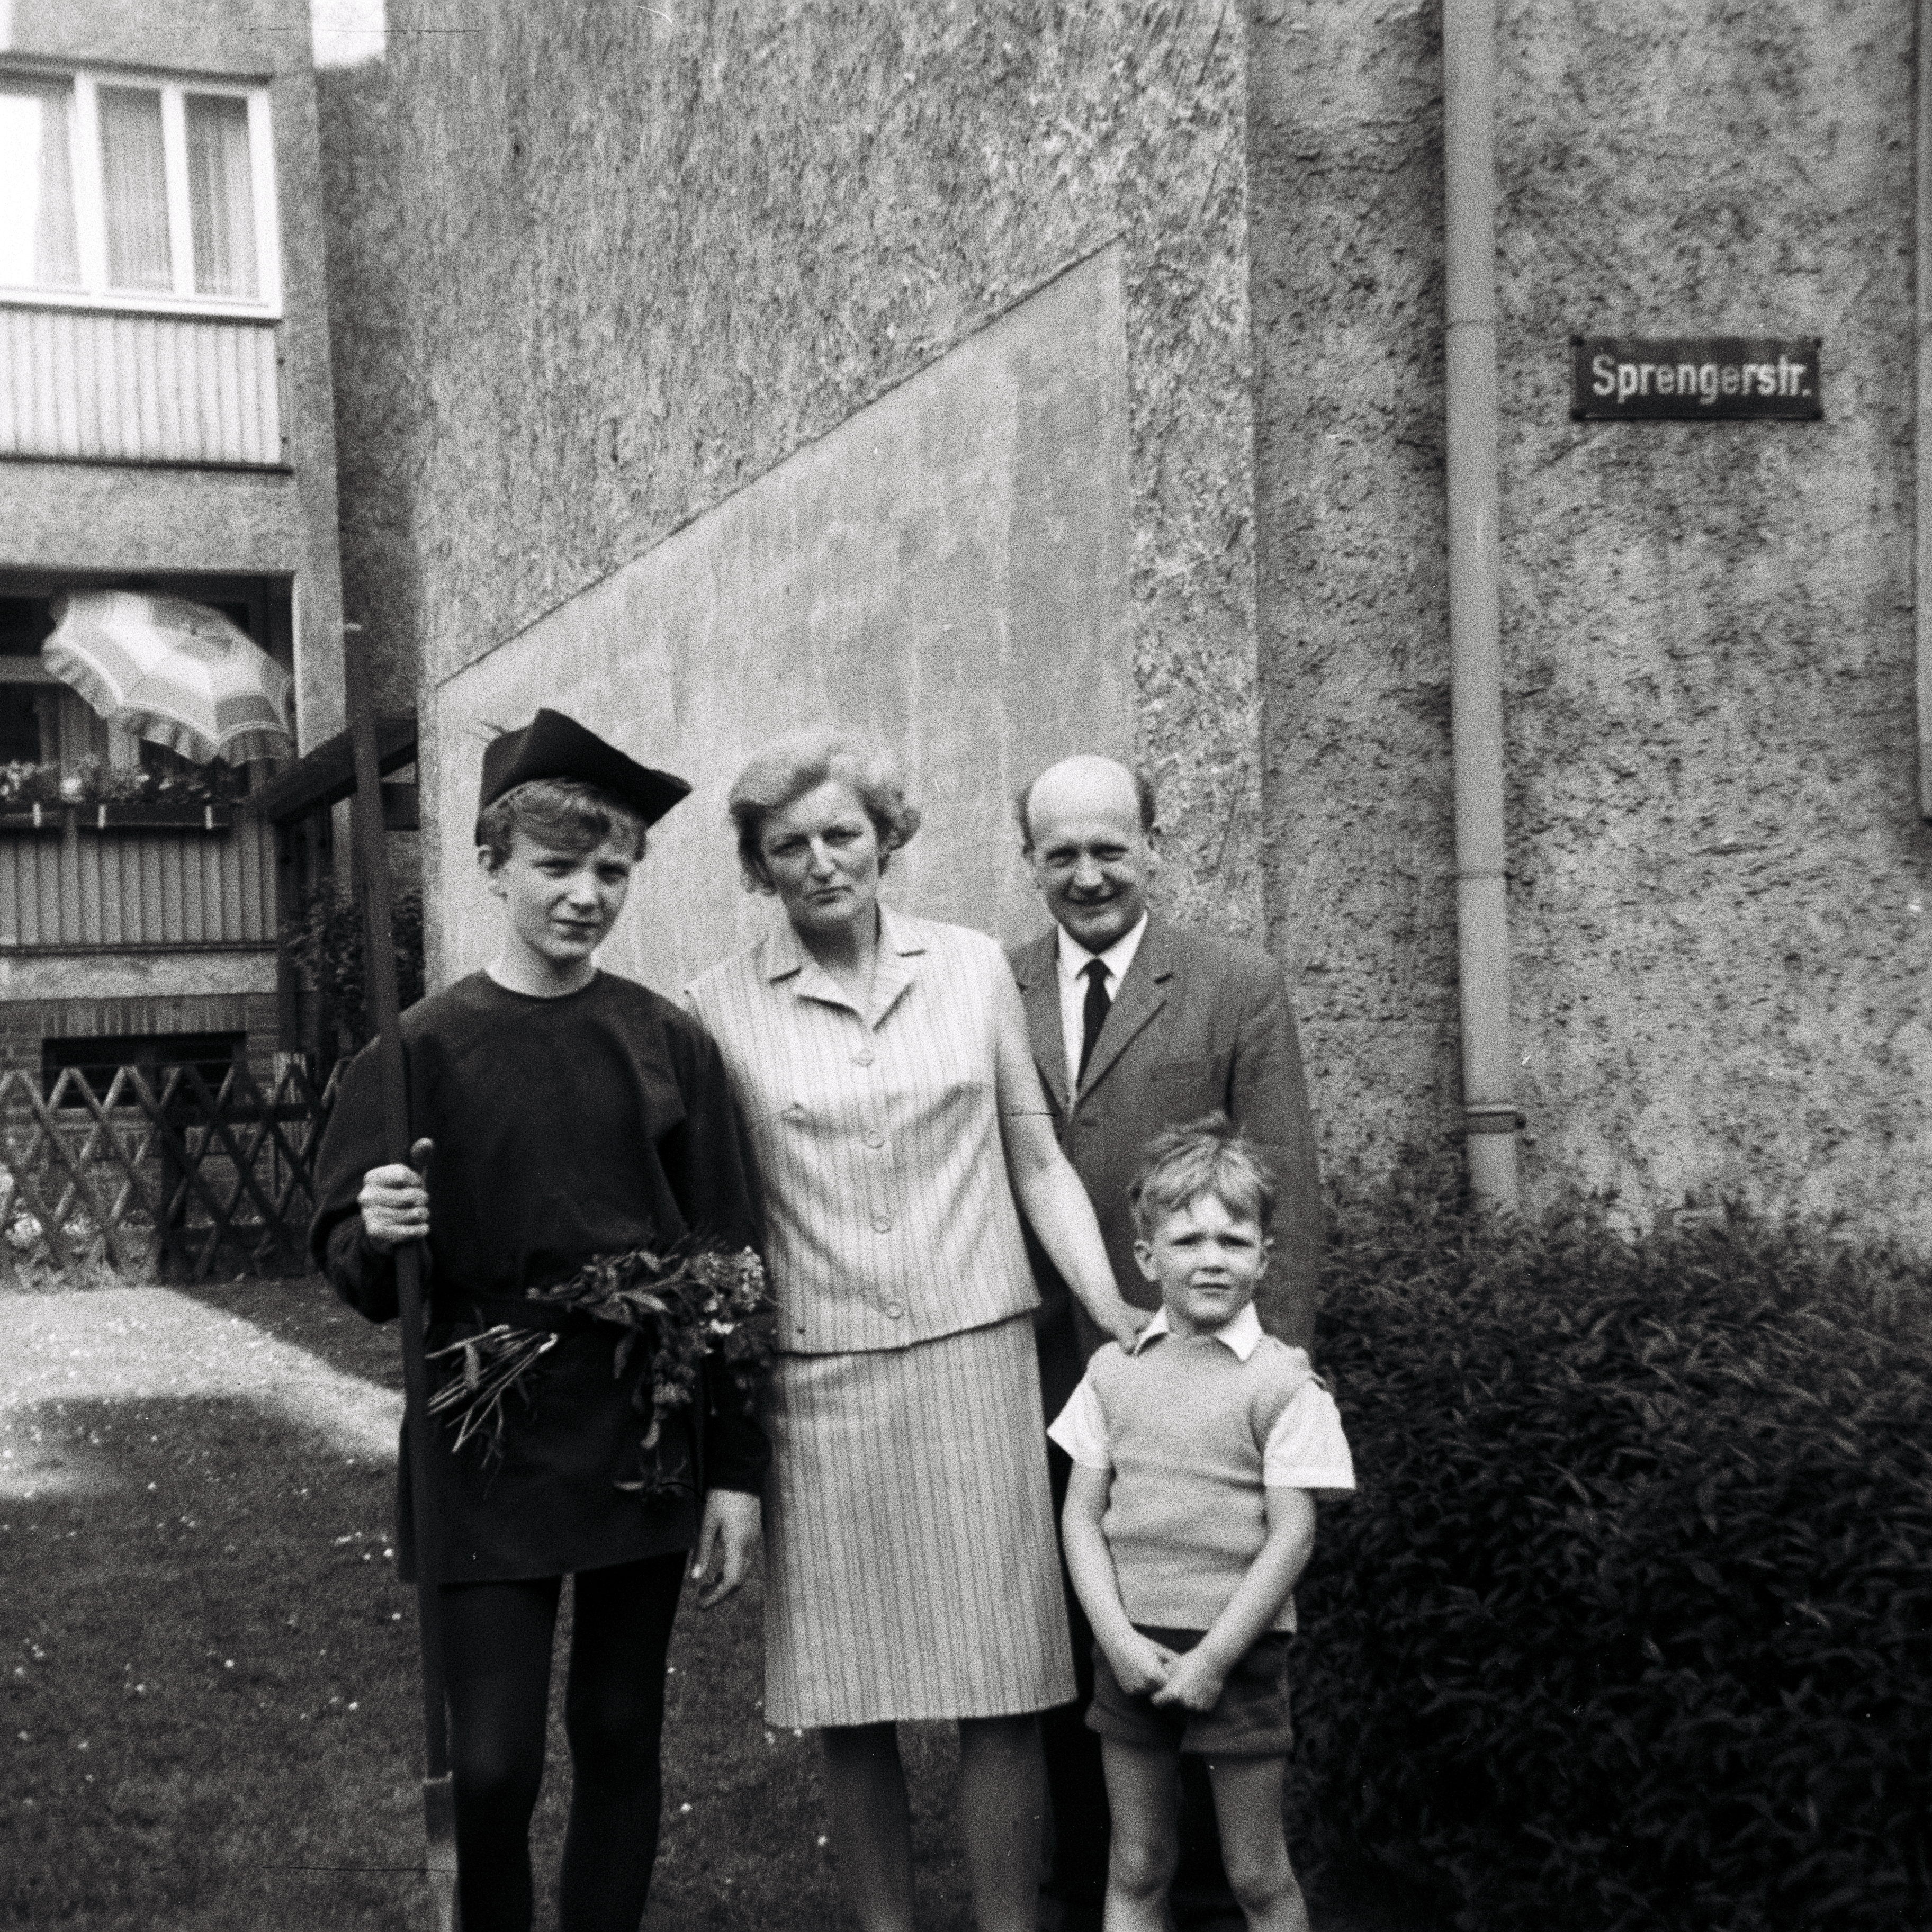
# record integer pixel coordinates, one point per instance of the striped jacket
(889, 1219)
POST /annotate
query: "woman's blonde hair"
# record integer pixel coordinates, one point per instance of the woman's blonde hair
(786, 769)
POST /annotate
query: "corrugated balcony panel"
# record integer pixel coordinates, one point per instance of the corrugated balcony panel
(75, 875)
(80, 384)
(136, 889)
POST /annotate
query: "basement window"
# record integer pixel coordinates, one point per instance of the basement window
(124, 191)
(157, 1055)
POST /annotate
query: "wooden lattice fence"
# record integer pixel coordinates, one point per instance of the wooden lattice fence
(187, 1180)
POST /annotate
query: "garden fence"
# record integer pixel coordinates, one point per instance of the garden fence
(176, 1178)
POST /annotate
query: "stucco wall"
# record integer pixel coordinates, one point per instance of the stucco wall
(947, 569)
(1718, 873)
(362, 114)
(1346, 213)
(644, 254)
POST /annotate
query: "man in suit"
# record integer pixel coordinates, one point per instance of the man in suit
(1138, 1025)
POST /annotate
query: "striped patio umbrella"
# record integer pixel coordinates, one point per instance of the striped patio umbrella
(173, 672)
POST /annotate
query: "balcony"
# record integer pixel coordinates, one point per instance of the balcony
(75, 887)
(85, 385)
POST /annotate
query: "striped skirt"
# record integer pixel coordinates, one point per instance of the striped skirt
(911, 1567)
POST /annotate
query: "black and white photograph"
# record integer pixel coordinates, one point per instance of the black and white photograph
(964, 966)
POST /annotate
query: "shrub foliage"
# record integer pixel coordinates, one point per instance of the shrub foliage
(1630, 1626)
(326, 935)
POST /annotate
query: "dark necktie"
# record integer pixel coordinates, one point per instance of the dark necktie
(1093, 1014)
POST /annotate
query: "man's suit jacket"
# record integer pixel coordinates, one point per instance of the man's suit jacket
(1201, 1024)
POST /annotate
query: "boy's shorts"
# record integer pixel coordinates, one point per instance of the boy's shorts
(1249, 1719)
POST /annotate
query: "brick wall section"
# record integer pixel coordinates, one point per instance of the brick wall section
(25, 1023)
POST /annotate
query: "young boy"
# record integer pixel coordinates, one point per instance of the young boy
(1197, 1457)
(565, 1113)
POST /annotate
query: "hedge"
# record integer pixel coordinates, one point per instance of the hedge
(325, 933)
(1630, 1624)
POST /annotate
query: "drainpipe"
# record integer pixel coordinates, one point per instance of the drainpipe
(1921, 267)
(1489, 1118)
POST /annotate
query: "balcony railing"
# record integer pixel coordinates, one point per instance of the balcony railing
(69, 887)
(95, 386)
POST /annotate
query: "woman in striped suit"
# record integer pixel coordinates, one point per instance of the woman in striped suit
(881, 1064)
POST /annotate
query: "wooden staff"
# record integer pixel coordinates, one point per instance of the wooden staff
(378, 960)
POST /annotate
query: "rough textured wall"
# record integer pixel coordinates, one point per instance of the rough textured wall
(643, 254)
(362, 118)
(891, 575)
(1346, 215)
(1718, 873)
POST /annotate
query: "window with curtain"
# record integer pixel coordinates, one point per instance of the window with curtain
(133, 190)
(221, 194)
(38, 248)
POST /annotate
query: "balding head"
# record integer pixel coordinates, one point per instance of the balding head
(1083, 783)
(1087, 825)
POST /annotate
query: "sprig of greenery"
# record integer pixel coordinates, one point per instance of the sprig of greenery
(696, 1302)
(325, 933)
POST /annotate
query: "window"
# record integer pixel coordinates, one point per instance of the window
(28, 727)
(145, 193)
(212, 1055)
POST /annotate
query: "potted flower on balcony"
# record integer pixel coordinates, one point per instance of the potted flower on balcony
(104, 799)
(30, 799)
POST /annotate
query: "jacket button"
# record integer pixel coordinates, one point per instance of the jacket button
(873, 1137)
(864, 1057)
(895, 1309)
(883, 1223)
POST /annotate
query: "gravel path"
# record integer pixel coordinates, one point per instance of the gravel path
(129, 1344)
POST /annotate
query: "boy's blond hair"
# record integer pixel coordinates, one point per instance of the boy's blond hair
(565, 814)
(1206, 1156)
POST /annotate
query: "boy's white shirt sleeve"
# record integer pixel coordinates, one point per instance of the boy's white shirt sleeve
(1081, 1428)
(1306, 1449)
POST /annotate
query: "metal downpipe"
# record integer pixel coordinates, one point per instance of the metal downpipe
(1922, 275)
(1475, 647)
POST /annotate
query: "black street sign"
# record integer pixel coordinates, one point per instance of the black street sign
(1695, 378)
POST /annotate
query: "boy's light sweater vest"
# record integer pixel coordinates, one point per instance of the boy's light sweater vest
(1186, 1513)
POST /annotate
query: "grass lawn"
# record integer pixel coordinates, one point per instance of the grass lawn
(211, 1717)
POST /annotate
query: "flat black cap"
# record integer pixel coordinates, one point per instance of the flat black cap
(553, 746)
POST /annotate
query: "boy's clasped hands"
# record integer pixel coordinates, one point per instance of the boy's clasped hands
(1176, 1682)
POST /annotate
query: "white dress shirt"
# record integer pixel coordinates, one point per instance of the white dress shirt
(1073, 983)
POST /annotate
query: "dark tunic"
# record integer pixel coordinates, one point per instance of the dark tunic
(564, 1128)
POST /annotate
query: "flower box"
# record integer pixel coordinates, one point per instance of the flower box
(22, 817)
(154, 815)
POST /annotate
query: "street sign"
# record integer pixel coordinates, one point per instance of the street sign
(1695, 378)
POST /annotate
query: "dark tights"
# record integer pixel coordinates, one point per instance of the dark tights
(497, 1638)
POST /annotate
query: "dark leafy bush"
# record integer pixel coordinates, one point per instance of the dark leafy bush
(326, 935)
(1630, 1629)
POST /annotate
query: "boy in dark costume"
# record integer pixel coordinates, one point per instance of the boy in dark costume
(565, 1113)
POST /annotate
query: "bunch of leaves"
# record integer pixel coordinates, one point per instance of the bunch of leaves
(698, 1303)
(325, 933)
(1630, 1625)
